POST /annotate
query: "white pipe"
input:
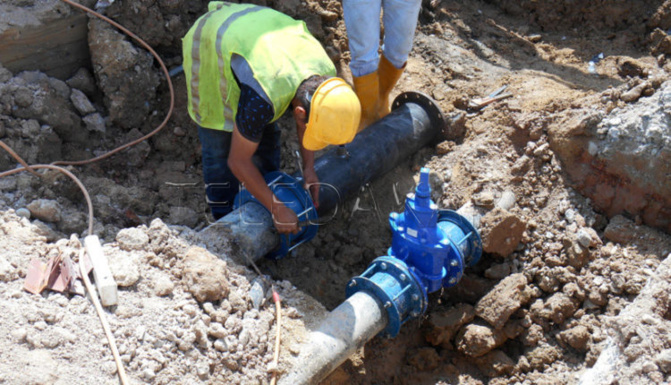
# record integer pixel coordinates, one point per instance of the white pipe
(347, 328)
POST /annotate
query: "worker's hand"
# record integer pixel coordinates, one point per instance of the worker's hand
(311, 183)
(285, 219)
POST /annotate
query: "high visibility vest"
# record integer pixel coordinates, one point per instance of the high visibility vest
(280, 51)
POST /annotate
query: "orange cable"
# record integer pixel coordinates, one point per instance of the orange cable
(101, 315)
(31, 169)
(276, 356)
(165, 72)
(18, 158)
(64, 171)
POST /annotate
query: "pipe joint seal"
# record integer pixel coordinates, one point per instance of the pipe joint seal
(290, 192)
(397, 289)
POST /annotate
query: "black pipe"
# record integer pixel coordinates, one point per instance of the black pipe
(415, 120)
(413, 123)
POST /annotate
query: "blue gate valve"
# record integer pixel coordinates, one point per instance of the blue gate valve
(291, 193)
(430, 249)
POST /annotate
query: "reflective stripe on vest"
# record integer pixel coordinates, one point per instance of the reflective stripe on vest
(195, 55)
(195, 66)
(279, 50)
(228, 112)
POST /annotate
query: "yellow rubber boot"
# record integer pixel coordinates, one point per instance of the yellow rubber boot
(389, 76)
(367, 89)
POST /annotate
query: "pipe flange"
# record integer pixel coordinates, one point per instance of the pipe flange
(397, 289)
(427, 103)
(472, 234)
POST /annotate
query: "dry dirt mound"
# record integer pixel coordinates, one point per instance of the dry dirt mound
(183, 315)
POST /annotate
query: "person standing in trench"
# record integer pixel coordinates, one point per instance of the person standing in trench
(376, 75)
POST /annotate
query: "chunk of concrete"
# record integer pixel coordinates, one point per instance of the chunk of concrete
(501, 232)
(503, 300)
(477, 340)
(205, 276)
(443, 325)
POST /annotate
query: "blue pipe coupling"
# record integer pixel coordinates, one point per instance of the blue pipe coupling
(394, 285)
(291, 193)
(430, 247)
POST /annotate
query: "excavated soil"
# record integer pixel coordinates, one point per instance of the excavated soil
(577, 266)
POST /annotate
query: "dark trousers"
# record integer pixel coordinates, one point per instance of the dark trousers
(221, 186)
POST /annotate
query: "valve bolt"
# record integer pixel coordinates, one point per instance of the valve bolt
(415, 297)
(453, 281)
(387, 305)
(454, 263)
(383, 266)
(403, 277)
(352, 283)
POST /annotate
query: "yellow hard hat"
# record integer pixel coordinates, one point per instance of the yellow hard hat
(334, 115)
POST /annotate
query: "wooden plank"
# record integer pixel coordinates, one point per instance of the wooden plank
(107, 287)
(57, 47)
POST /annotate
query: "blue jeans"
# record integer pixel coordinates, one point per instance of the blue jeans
(221, 186)
(362, 20)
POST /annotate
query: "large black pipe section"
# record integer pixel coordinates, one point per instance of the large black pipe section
(414, 122)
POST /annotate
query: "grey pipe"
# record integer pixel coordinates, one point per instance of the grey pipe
(348, 327)
(413, 124)
(357, 320)
(251, 230)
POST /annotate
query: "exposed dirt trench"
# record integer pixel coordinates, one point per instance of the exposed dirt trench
(586, 155)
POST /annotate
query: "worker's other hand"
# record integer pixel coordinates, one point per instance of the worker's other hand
(285, 219)
(311, 183)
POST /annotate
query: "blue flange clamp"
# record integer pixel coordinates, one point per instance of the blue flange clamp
(291, 193)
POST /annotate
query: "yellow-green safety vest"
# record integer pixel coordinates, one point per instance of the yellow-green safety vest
(280, 51)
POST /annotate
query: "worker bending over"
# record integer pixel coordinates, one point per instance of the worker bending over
(245, 65)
